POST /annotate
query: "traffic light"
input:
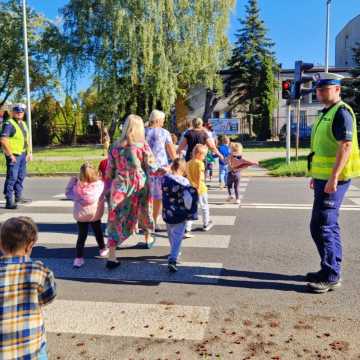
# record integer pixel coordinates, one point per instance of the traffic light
(286, 89)
(300, 79)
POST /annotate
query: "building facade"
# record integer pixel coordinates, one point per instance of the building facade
(347, 39)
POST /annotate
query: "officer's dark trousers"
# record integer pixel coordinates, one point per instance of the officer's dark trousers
(15, 175)
(325, 228)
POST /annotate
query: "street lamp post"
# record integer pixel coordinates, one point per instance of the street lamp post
(327, 43)
(27, 75)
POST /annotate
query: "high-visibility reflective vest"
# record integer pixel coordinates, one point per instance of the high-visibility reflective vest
(324, 147)
(17, 142)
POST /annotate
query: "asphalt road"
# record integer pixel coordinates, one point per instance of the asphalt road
(239, 293)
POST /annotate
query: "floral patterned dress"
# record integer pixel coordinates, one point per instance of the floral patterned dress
(129, 167)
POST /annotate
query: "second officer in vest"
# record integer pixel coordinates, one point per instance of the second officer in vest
(14, 140)
(333, 162)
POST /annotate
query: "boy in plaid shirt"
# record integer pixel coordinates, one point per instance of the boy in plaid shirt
(25, 286)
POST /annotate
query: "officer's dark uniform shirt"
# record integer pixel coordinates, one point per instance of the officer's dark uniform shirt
(342, 125)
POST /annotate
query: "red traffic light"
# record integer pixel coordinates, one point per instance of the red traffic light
(286, 85)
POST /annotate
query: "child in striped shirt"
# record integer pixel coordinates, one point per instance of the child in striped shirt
(25, 286)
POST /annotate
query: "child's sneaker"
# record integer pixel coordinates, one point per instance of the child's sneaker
(188, 235)
(209, 226)
(172, 266)
(79, 262)
(104, 253)
(229, 199)
(237, 201)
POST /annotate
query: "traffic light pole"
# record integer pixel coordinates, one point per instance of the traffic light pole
(27, 75)
(298, 104)
(288, 135)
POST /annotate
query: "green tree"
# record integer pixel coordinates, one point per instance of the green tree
(12, 82)
(144, 53)
(267, 102)
(252, 51)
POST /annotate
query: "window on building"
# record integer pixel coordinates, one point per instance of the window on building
(227, 114)
(346, 41)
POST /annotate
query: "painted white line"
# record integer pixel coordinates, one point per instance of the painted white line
(136, 270)
(222, 206)
(67, 218)
(355, 200)
(220, 196)
(353, 194)
(127, 320)
(293, 207)
(198, 241)
(59, 196)
(353, 187)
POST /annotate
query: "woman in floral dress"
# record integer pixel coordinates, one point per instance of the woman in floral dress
(130, 164)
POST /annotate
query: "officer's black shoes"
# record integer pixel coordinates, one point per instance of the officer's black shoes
(23, 201)
(10, 205)
(172, 266)
(323, 286)
(313, 277)
(110, 265)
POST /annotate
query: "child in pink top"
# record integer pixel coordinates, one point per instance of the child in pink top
(87, 192)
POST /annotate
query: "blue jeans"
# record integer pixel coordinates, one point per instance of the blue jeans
(15, 176)
(223, 173)
(176, 235)
(43, 353)
(325, 229)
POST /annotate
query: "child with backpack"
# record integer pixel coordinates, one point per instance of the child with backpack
(87, 192)
(179, 206)
(224, 150)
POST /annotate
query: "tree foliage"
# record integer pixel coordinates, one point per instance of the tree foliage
(144, 53)
(12, 82)
(251, 58)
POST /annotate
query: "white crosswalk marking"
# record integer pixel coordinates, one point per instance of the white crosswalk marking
(131, 320)
(200, 240)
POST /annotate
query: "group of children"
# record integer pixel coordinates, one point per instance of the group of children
(26, 285)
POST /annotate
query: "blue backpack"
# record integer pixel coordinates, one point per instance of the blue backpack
(179, 201)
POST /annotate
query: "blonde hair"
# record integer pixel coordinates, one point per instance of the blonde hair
(88, 173)
(156, 118)
(236, 148)
(200, 149)
(133, 130)
(197, 123)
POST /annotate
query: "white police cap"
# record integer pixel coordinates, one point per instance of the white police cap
(328, 79)
(19, 107)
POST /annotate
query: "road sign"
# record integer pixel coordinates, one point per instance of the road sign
(225, 126)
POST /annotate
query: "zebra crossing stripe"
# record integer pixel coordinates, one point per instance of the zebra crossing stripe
(152, 270)
(153, 321)
(66, 218)
(198, 241)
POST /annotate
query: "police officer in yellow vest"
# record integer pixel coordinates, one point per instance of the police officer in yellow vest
(14, 140)
(333, 162)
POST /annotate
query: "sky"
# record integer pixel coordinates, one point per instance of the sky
(296, 26)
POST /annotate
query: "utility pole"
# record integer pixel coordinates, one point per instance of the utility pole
(327, 41)
(288, 134)
(27, 75)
